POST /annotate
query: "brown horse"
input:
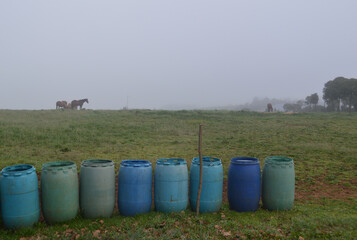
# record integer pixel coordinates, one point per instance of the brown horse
(269, 107)
(76, 103)
(61, 104)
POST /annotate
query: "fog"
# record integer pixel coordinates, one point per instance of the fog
(162, 54)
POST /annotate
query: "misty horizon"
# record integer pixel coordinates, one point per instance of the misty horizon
(153, 54)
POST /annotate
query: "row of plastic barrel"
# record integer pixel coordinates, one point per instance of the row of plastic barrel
(62, 196)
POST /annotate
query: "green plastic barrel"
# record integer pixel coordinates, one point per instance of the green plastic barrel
(278, 183)
(97, 188)
(59, 191)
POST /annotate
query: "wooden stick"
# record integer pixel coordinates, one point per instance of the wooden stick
(201, 169)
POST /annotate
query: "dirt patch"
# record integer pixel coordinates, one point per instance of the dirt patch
(320, 188)
(225, 196)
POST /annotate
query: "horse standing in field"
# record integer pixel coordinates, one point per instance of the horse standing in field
(61, 104)
(76, 103)
(269, 107)
(68, 106)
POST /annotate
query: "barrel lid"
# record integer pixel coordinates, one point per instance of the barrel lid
(135, 163)
(207, 161)
(59, 165)
(18, 170)
(279, 160)
(171, 161)
(97, 163)
(244, 161)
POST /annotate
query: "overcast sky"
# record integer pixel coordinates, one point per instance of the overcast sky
(183, 52)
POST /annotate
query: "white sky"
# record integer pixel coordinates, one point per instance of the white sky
(158, 53)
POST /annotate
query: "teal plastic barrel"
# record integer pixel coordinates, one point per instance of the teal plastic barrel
(171, 185)
(212, 184)
(97, 188)
(20, 204)
(278, 183)
(59, 191)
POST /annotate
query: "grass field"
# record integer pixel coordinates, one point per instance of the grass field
(323, 146)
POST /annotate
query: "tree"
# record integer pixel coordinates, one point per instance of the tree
(349, 93)
(332, 94)
(313, 99)
(341, 93)
(308, 100)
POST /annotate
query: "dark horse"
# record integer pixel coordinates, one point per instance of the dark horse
(269, 107)
(76, 103)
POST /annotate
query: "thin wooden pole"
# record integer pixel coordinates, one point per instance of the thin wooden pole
(201, 169)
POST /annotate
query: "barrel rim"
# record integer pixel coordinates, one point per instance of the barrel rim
(135, 163)
(244, 161)
(17, 170)
(279, 160)
(59, 165)
(97, 163)
(207, 161)
(171, 161)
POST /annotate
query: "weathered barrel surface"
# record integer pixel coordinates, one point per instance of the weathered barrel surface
(171, 185)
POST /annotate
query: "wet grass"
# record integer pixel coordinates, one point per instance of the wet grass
(323, 146)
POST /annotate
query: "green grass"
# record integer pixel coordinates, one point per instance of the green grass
(323, 146)
(330, 220)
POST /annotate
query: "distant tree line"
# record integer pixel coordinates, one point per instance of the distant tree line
(339, 94)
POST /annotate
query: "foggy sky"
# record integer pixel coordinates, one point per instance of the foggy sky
(159, 53)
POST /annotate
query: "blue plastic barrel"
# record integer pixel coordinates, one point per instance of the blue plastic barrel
(244, 184)
(212, 184)
(171, 185)
(134, 187)
(20, 205)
